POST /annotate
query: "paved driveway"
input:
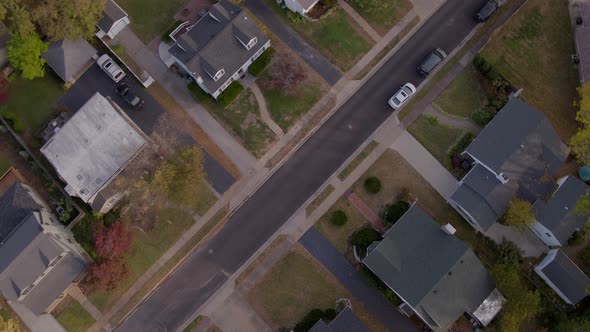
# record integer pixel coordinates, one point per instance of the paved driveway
(95, 80)
(205, 271)
(384, 311)
(312, 57)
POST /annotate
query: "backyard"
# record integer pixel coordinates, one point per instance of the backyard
(310, 287)
(73, 317)
(382, 15)
(533, 51)
(464, 95)
(436, 137)
(150, 18)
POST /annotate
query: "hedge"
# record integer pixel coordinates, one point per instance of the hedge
(260, 64)
(230, 93)
(166, 35)
(13, 120)
(197, 92)
(393, 212)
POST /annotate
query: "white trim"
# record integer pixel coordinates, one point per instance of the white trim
(539, 270)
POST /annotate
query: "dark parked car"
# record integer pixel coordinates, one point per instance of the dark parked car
(128, 96)
(431, 61)
(488, 9)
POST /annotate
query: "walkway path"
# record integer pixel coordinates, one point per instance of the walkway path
(453, 122)
(264, 111)
(77, 294)
(360, 20)
(365, 210)
(176, 87)
(282, 30)
(374, 301)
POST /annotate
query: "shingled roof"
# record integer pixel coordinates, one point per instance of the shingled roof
(68, 57)
(564, 276)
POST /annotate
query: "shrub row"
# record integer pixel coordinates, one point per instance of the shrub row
(260, 64)
(230, 93)
(295, 18)
(197, 92)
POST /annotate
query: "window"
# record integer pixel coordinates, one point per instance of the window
(219, 74)
(251, 43)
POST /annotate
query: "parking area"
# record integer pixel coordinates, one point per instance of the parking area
(146, 118)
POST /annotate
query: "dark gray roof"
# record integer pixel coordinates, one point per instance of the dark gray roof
(15, 205)
(68, 57)
(346, 321)
(558, 214)
(212, 43)
(567, 277)
(111, 14)
(435, 273)
(483, 196)
(516, 139)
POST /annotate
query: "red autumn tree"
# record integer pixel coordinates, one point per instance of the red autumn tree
(285, 74)
(106, 274)
(114, 241)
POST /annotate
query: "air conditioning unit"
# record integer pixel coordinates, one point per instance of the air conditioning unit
(449, 229)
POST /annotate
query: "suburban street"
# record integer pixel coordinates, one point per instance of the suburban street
(205, 271)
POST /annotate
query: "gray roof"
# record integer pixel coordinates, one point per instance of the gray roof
(92, 147)
(558, 214)
(15, 205)
(306, 4)
(111, 14)
(213, 43)
(518, 139)
(582, 37)
(435, 273)
(68, 57)
(346, 321)
(567, 277)
(483, 196)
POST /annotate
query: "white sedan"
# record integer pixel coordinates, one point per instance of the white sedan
(402, 95)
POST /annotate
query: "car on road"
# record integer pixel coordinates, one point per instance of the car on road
(110, 67)
(431, 61)
(402, 95)
(488, 9)
(128, 96)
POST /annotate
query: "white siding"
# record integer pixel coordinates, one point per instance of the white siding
(545, 235)
(295, 6)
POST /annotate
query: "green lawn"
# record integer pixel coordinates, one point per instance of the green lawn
(437, 138)
(4, 164)
(464, 95)
(243, 117)
(286, 108)
(338, 235)
(333, 36)
(32, 101)
(384, 14)
(150, 18)
(533, 51)
(147, 247)
(74, 318)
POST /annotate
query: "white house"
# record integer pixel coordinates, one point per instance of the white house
(219, 48)
(114, 19)
(300, 6)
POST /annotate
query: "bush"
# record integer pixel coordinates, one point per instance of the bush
(393, 212)
(392, 297)
(166, 35)
(339, 218)
(118, 49)
(230, 93)
(509, 253)
(482, 117)
(485, 67)
(577, 238)
(197, 92)
(362, 238)
(13, 120)
(493, 74)
(498, 101)
(309, 320)
(260, 64)
(478, 61)
(372, 185)
(330, 314)
(296, 18)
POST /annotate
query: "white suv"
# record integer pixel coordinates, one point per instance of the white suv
(110, 67)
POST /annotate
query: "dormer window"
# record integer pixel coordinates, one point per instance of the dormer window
(219, 74)
(251, 43)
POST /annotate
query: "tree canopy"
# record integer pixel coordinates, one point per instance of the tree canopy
(24, 53)
(68, 19)
(519, 214)
(580, 142)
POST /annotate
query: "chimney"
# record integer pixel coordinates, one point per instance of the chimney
(448, 229)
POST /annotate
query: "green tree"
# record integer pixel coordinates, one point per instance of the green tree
(69, 19)
(18, 18)
(583, 114)
(519, 214)
(522, 304)
(24, 53)
(580, 145)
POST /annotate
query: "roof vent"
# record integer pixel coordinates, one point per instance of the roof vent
(448, 229)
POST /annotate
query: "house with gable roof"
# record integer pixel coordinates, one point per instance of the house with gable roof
(218, 49)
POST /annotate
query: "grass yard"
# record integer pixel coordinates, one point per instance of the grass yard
(338, 235)
(286, 107)
(384, 14)
(32, 101)
(4, 164)
(396, 174)
(436, 137)
(533, 51)
(310, 286)
(463, 95)
(150, 18)
(243, 117)
(74, 318)
(147, 247)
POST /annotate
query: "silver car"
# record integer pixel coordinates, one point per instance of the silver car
(110, 67)
(402, 95)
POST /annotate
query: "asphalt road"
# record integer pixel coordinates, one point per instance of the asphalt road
(205, 271)
(146, 118)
